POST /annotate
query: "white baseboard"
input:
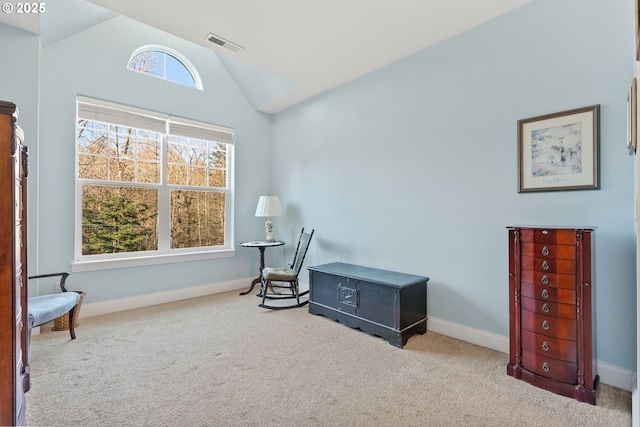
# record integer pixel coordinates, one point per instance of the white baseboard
(471, 335)
(616, 376)
(609, 374)
(147, 300)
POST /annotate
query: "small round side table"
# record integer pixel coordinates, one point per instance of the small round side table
(261, 245)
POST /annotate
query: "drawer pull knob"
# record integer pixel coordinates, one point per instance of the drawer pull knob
(545, 325)
(545, 251)
(545, 265)
(545, 231)
(545, 307)
(545, 346)
(545, 293)
(545, 280)
(545, 367)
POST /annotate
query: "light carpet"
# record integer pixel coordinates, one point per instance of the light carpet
(221, 360)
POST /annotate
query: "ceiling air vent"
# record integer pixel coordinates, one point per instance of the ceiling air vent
(224, 43)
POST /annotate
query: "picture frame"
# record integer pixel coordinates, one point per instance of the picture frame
(632, 132)
(637, 7)
(560, 151)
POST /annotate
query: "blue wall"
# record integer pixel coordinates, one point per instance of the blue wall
(413, 167)
(93, 63)
(19, 84)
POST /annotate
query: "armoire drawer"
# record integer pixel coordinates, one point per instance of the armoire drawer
(548, 293)
(550, 347)
(553, 309)
(544, 235)
(559, 370)
(549, 250)
(549, 265)
(567, 281)
(555, 327)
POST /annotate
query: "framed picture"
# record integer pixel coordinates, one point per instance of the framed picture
(632, 138)
(637, 30)
(559, 151)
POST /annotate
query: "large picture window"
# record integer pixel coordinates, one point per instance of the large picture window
(150, 186)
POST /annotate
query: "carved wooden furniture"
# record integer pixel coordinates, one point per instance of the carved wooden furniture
(285, 278)
(550, 310)
(384, 303)
(14, 368)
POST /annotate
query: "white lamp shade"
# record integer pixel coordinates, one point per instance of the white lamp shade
(268, 206)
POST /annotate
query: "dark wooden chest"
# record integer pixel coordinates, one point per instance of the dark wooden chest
(384, 303)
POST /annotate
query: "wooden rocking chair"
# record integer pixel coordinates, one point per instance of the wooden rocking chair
(274, 278)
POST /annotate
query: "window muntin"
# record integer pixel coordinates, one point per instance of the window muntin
(148, 192)
(196, 162)
(164, 63)
(118, 153)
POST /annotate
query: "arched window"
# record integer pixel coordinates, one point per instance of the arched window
(165, 63)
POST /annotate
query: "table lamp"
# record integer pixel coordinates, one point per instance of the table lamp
(269, 206)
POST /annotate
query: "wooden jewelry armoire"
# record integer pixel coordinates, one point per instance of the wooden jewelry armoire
(550, 310)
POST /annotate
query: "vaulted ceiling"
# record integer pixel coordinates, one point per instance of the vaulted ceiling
(299, 47)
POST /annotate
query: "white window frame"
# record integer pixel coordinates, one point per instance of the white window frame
(131, 116)
(172, 52)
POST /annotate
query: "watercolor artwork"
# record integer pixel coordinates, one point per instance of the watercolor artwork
(557, 150)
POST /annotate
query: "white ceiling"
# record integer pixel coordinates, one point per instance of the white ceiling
(314, 45)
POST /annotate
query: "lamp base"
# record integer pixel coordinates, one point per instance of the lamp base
(268, 226)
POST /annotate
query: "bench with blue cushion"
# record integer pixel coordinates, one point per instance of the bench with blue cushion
(45, 308)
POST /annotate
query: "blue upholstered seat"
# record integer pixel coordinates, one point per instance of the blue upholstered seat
(45, 308)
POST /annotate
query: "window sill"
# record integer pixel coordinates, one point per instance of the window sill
(103, 264)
